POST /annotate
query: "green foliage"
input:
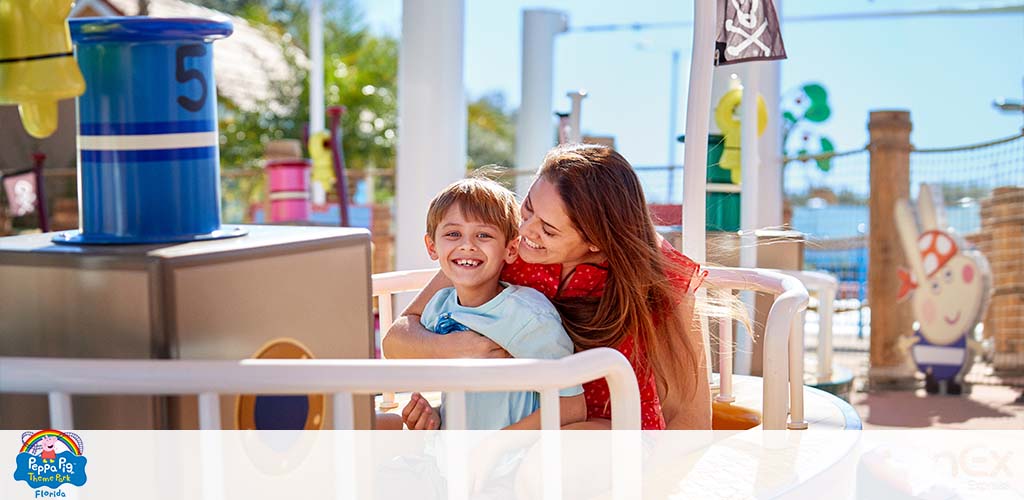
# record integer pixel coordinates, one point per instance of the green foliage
(283, 15)
(825, 146)
(491, 138)
(361, 74)
(818, 110)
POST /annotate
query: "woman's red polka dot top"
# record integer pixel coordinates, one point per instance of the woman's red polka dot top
(588, 280)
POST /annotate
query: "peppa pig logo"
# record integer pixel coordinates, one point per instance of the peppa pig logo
(50, 458)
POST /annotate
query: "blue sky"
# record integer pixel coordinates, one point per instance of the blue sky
(945, 70)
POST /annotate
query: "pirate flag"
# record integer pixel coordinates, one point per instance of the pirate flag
(749, 32)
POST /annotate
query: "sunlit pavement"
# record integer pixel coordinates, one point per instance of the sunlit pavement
(996, 400)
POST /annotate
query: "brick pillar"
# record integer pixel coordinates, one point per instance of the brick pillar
(890, 181)
(1002, 224)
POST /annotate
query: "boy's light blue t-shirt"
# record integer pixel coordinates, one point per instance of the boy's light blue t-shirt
(523, 322)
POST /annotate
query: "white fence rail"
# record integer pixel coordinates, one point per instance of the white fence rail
(783, 362)
(825, 286)
(62, 377)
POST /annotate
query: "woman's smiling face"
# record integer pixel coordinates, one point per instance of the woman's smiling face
(548, 235)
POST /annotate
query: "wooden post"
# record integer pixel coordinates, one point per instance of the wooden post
(890, 181)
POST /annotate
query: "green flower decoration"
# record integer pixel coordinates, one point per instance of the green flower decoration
(811, 103)
(818, 111)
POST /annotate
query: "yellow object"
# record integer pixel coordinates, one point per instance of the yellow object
(245, 404)
(730, 126)
(732, 417)
(320, 153)
(37, 67)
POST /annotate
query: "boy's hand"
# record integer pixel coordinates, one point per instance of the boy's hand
(469, 344)
(419, 415)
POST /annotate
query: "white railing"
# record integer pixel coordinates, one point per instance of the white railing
(343, 378)
(783, 340)
(783, 362)
(825, 286)
(385, 286)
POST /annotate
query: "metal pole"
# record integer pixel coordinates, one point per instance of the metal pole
(316, 70)
(750, 179)
(698, 111)
(564, 128)
(770, 199)
(750, 184)
(37, 171)
(338, 161)
(673, 110)
(983, 10)
(533, 129)
(577, 96)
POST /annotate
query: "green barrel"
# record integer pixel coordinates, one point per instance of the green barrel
(722, 208)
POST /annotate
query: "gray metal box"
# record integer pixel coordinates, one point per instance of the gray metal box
(221, 299)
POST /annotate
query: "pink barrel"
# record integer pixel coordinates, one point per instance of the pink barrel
(289, 190)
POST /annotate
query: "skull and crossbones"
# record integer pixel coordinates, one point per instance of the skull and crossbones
(747, 20)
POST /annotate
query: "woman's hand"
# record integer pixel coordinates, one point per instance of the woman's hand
(418, 415)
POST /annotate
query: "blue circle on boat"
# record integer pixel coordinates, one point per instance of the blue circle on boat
(280, 413)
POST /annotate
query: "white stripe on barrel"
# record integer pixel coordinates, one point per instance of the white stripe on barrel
(147, 141)
(289, 195)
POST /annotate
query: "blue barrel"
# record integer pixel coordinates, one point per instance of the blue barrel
(149, 170)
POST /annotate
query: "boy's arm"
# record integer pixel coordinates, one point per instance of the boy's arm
(572, 409)
(408, 339)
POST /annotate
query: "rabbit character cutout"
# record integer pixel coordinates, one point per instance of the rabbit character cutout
(949, 285)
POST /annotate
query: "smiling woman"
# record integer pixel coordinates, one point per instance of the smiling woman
(615, 282)
(552, 238)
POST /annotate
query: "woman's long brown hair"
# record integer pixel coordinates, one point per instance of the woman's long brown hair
(609, 210)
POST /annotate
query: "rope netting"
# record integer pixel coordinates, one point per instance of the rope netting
(983, 196)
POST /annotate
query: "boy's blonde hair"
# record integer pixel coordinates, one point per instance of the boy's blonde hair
(479, 199)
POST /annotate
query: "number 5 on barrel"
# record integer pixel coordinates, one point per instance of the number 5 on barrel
(183, 75)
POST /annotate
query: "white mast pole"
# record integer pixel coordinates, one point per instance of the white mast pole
(698, 109)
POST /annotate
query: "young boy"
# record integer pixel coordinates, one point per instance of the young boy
(472, 230)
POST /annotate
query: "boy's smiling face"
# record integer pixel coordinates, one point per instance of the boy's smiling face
(471, 253)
